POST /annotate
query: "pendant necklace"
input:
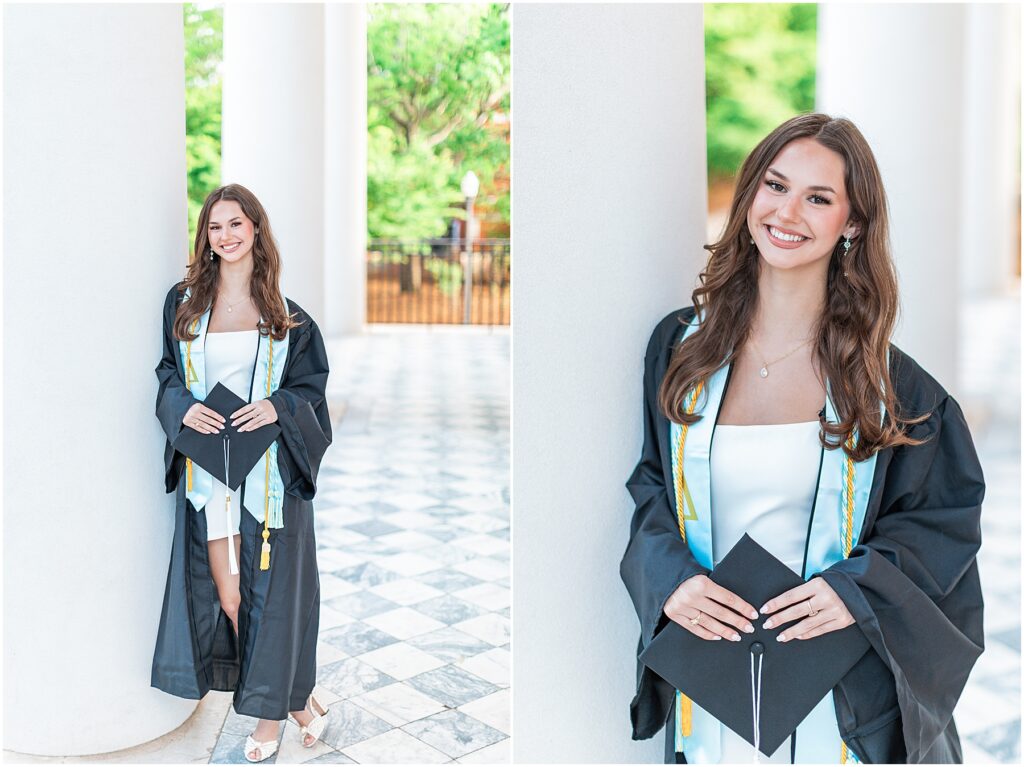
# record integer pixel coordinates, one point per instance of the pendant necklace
(237, 302)
(764, 367)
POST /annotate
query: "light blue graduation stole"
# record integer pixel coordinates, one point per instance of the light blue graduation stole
(264, 490)
(840, 504)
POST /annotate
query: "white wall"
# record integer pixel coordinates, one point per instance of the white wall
(273, 131)
(897, 71)
(95, 233)
(345, 168)
(610, 206)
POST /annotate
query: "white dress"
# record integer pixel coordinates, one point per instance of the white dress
(230, 360)
(763, 482)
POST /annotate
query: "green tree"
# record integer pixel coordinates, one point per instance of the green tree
(760, 71)
(437, 75)
(204, 49)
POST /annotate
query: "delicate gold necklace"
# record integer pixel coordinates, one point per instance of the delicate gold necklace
(237, 302)
(764, 367)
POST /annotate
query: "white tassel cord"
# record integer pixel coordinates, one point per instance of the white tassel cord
(232, 562)
(755, 699)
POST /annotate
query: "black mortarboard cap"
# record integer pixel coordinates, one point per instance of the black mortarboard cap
(795, 675)
(246, 448)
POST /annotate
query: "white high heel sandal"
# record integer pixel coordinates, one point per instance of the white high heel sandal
(316, 725)
(266, 749)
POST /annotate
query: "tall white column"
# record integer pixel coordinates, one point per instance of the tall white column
(610, 208)
(991, 160)
(95, 233)
(897, 71)
(273, 131)
(345, 168)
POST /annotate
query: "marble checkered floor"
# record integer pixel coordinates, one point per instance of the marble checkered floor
(412, 526)
(988, 715)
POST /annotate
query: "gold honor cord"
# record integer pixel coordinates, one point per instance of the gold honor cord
(265, 549)
(849, 471)
(685, 511)
(190, 378)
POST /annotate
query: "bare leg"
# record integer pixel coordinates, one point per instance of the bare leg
(227, 584)
(230, 599)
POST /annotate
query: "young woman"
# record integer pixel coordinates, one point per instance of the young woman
(777, 406)
(242, 602)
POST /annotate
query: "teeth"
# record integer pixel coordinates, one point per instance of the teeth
(787, 237)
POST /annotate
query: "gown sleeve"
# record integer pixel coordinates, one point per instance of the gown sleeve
(912, 584)
(657, 559)
(173, 399)
(301, 405)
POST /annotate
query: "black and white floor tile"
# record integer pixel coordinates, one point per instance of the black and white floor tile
(412, 525)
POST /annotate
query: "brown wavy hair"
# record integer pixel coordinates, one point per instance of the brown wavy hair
(204, 272)
(860, 310)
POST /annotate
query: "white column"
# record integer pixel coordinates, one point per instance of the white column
(95, 233)
(345, 168)
(273, 131)
(991, 141)
(610, 179)
(897, 71)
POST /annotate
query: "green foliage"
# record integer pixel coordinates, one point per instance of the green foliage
(204, 47)
(760, 61)
(447, 275)
(437, 76)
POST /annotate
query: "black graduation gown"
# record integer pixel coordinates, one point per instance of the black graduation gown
(271, 667)
(911, 584)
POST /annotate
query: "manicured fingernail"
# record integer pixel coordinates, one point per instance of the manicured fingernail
(753, 615)
(768, 623)
(735, 637)
(764, 609)
(781, 637)
(749, 629)
(716, 637)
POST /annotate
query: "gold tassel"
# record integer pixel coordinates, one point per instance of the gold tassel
(686, 715)
(188, 471)
(265, 551)
(843, 755)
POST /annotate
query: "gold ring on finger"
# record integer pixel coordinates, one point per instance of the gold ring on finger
(695, 620)
(812, 612)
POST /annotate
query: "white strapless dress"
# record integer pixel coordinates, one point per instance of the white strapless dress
(230, 360)
(763, 481)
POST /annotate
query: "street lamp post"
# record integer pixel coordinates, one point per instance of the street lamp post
(470, 188)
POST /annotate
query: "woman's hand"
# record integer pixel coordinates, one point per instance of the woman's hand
(203, 420)
(815, 601)
(254, 415)
(704, 608)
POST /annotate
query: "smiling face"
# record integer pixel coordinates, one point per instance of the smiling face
(801, 209)
(230, 231)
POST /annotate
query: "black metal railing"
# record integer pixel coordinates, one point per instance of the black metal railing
(438, 281)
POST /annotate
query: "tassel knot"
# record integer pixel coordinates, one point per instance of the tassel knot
(265, 551)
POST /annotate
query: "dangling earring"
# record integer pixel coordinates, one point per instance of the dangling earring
(211, 254)
(846, 255)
